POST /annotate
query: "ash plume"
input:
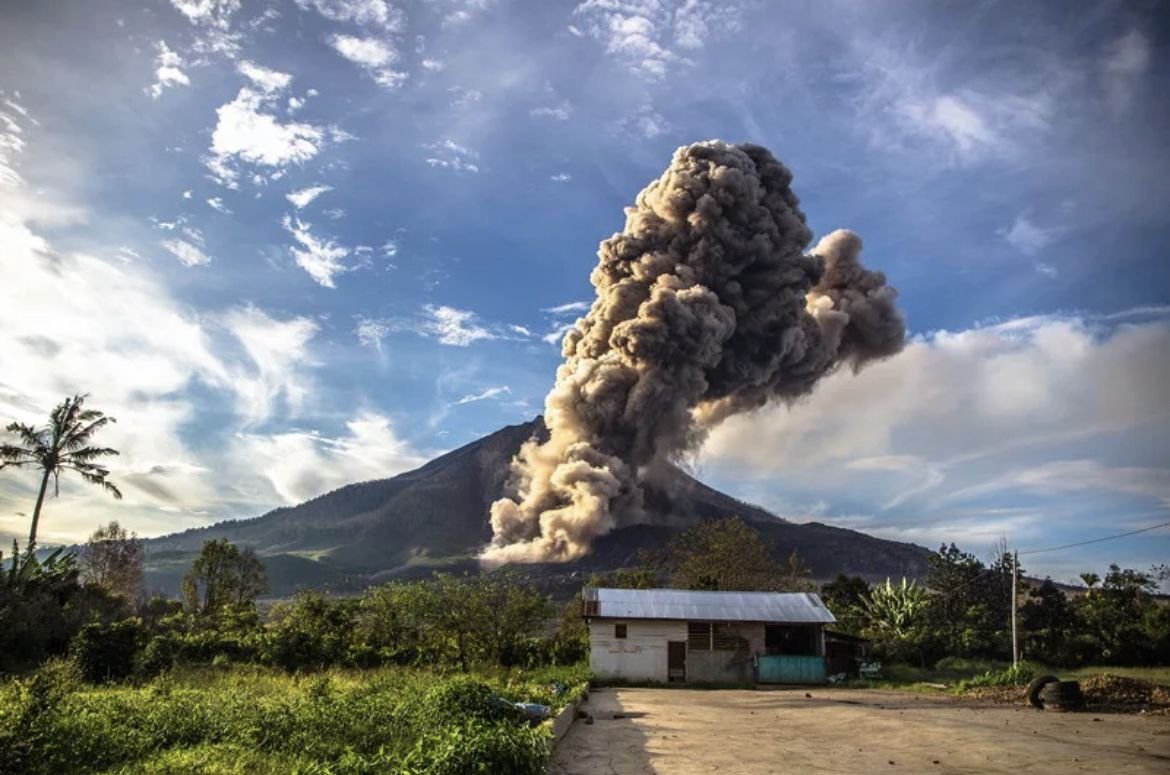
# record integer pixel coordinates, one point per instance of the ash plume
(707, 306)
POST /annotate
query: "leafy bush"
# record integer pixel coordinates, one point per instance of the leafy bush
(1019, 675)
(476, 748)
(108, 652)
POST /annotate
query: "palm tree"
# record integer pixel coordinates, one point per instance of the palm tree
(62, 445)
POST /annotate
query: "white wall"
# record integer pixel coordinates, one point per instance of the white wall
(640, 656)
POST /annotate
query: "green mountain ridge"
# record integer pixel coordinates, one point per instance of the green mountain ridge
(435, 518)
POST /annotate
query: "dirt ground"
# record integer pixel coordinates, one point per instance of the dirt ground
(678, 732)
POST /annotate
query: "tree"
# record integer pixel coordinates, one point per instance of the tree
(223, 575)
(113, 558)
(62, 445)
(845, 597)
(729, 554)
(1049, 625)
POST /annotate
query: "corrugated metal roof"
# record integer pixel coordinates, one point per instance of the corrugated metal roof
(789, 607)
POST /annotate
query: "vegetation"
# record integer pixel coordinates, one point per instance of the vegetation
(113, 559)
(963, 611)
(391, 720)
(725, 554)
(62, 445)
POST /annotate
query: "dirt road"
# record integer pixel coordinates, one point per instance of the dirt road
(679, 732)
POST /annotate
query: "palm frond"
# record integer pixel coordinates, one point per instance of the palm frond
(90, 453)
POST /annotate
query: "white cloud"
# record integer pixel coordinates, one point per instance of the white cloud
(212, 12)
(216, 203)
(186, 194)
(265, 79)
(279, 352)
(299, 465)
(371, 332)
(951, 431)
(187, 253)
(571, 308)
(372, 54)
(320, 258)
(910, 106)
(301, 199)
(455, 327)
(484, 395)
(560, 177)
(562, 112)
(212, 18)
(115, 333)
(448, 154)
(433, 65)
(1028, 238)
(168, 71)
(641, 35)
(374, 13)
(246, 133)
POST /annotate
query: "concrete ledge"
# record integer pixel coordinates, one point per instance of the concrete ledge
(564, 720)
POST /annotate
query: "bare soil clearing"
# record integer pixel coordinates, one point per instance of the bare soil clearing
(679, 732)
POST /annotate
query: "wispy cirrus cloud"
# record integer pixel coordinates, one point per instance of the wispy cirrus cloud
(484, 395)
(320, 257)
(301, 198)
(448, 154)
(187, 253)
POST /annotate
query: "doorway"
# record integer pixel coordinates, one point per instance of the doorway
(676, 661)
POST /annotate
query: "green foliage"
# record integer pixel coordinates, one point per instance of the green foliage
(845, 596)
(312, 632)
(223, 575)
(729, 554)
(42, 606)
(385, 721)
(895, 615)
(1018, 675)
(108, 652)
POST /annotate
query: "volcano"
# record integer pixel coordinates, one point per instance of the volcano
(435, 518)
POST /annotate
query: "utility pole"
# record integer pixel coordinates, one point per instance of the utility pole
(1015, 581)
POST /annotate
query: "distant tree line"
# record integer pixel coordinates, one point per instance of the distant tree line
(963, 609)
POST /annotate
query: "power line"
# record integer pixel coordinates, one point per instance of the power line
(1096, 540)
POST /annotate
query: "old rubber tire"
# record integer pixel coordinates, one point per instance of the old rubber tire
(1062, 695)
(1033, 693)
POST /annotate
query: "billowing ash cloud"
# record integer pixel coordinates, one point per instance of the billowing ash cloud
(707, 305)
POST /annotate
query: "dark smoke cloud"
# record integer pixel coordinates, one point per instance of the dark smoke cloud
(707, 305)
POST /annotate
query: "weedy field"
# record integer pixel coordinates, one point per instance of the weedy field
(250, 719)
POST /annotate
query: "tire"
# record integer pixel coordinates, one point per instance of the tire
(1062, 695)
(1034, 688)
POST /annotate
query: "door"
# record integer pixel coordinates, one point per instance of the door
(676, 660)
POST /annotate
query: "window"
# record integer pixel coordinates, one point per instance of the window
(725, 638)
(699, 636)
(619, 630)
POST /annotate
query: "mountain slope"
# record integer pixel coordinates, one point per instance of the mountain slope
(436, 516)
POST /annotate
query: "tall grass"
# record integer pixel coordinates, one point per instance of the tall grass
(250, 719)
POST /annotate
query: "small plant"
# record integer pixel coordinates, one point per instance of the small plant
(1017, 675)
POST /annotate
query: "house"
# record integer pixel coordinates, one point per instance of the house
(716, 637)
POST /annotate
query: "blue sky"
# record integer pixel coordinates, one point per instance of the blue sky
(291, 245)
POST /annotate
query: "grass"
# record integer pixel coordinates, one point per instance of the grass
(950, 673)
(249, 719)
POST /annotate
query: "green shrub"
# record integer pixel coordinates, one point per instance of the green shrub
(160, 655)
(478, 748)
(1019, 675)
(107, 652)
